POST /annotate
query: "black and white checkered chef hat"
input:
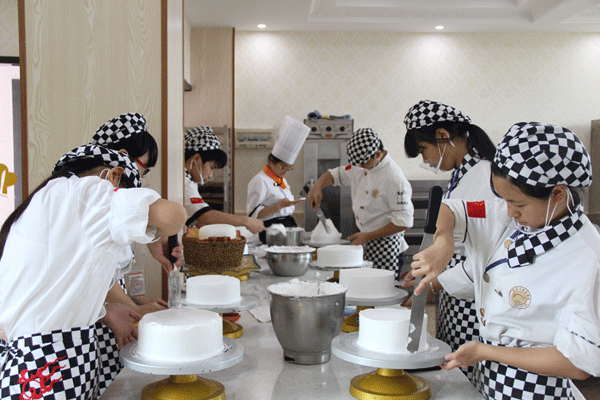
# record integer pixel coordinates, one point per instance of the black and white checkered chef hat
(544, 156)
(362, 146)
(201, 138)
(113, 158)
(119, 128)
(428, 112)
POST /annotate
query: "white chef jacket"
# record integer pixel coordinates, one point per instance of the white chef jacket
(379, 196)
(474, 185)
(62, 254)
(193, 202)
(263, 191)
(553, 302)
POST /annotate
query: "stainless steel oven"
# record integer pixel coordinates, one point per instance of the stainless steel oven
(325, 148)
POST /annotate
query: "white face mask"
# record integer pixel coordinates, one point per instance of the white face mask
(426, 164)
(202, 180)
(106, 177)
(529, 230)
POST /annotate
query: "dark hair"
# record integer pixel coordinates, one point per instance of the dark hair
(76, 167)
(538, 192)
(216, 155)
(475, 136)
(137, 145)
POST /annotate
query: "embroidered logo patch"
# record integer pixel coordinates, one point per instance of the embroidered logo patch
(476, 209)
(196, 200)
(519, 297)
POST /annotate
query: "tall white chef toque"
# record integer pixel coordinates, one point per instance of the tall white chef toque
(290, 140)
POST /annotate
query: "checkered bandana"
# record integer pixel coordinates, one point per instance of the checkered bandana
(201, 138)
(119, 128)
(362, 146)
(113, 158)
(428, 112)
(469, 161)
(523, 250)
(544, 156)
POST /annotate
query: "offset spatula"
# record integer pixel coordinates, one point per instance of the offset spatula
(321, 217)
(417, 310)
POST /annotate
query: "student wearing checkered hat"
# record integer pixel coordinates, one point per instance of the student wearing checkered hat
(381, 199)
(203, 155)
(447, 141)
(59, 253)
(269, 196)
(534, 265)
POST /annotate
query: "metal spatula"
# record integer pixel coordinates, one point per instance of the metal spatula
(321, 217)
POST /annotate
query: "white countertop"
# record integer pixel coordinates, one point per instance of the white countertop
(263, 373)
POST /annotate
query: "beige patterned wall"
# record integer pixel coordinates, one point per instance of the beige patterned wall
(9, 29)
(497, 79)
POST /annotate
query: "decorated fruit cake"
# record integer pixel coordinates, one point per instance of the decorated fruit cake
(213, 289)
(180, 335)
(368, 283)
(213, 249)
(385, 330)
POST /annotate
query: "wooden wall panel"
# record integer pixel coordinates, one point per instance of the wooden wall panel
(88, 62)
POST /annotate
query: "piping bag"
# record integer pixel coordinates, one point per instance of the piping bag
(175, 277)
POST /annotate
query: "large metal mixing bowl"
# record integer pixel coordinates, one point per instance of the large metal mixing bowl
(289, 263)
(305, 326)
(292, 237)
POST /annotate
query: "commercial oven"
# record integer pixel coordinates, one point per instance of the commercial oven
(325, 148)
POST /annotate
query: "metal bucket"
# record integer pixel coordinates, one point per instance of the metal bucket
(293, 237)
(305, 325)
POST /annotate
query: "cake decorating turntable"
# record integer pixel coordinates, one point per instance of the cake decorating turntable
(336, 268)
(351, 322)
(183, 382)
(390, 381)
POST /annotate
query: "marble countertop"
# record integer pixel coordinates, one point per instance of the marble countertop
(263, 373)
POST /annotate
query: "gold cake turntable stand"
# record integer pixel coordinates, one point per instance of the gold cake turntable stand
(350, 323)
(183, 382)
(230, 328)
(390, 381)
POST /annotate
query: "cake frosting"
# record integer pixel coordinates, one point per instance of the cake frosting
(320, 235)
(340, 256)
(298, 288)
(368, 283)
(213, 290)
(180, 335)
(217, 230)
(385, 330)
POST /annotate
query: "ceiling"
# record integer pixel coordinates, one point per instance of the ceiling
(398, 15)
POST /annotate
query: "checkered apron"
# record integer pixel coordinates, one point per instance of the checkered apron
(56, 365)
(503, 382)
(385, 253)
(457, 322)
(108, 348)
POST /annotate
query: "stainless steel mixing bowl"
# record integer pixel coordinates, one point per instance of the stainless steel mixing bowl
(305, 326)
(289, 263)
(292, 237)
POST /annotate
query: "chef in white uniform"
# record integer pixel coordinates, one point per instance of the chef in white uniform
(59, 254)
(381, 199)
(534, 263)
(269, 197)
(203, 155)
(447, 140)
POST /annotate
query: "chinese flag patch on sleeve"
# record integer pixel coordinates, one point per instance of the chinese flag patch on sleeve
(476, 209)
(196, 200)
(348, 167)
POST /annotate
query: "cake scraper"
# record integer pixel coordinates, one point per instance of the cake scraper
(175, 280)
(417, 310)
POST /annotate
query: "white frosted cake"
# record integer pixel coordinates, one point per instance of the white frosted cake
(213, 289)
(320, 235)
(180, 335)
(368, 283)
(340, 256)
(385, 330)
(217, 230)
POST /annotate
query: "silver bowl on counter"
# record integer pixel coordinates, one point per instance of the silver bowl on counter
(289, 260)
(306, 316)
(292, 237)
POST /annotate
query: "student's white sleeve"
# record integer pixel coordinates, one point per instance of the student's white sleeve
(457, 281)
(341, 176)
(400, 203)
(130, 210)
